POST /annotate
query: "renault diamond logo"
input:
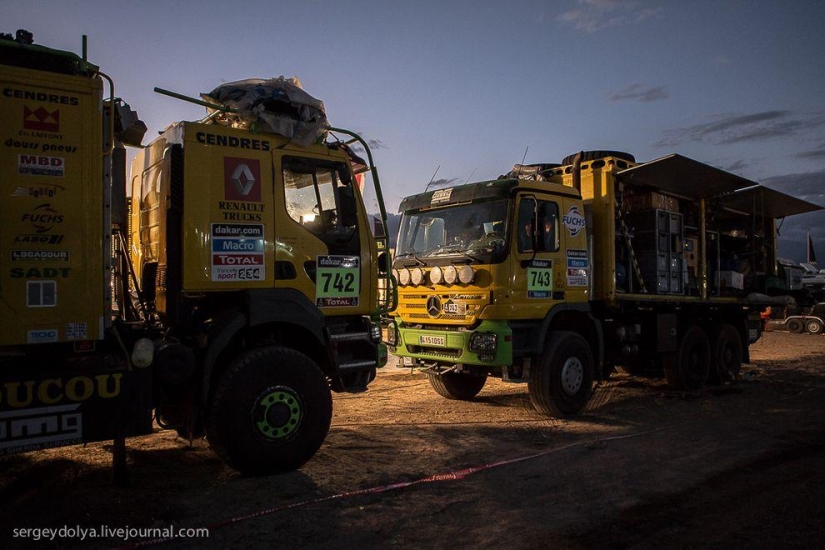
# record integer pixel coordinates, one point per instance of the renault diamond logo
(243, 179)
(434, 306)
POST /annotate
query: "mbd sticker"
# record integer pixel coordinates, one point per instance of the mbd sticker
(237, 252)
(39, 165)
(337, 281)
(573, 221)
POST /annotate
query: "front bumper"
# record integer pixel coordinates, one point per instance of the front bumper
(453, 346)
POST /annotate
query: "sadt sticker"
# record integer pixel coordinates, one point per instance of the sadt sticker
(242, 179)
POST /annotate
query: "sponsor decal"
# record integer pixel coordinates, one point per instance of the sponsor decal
(27, 238)
(41, 119)
(40, 428)
(44, 336)
(337, 281)
(76, 331)
(242, 179)
(577, 268)
(43, 218)
(237, 252)
(42, 190)
(44, 147)
(34, 165)
(54, 391)
(33, 95)
(207, 138)
(40, 255)
(442, 195)
(573, 221)
(39, 273)
(241, 211)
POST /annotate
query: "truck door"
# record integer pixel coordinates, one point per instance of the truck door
(539, 273)
(322, 206)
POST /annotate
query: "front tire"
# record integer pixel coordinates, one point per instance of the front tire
(270, 412)
(796, 325)
(454, 385)
(562, 382)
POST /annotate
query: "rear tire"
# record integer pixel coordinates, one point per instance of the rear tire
(813, 326)
(454, 385)
(689, 367)
(796, 325)
(727, 355)
(562, 382)
(270, 412)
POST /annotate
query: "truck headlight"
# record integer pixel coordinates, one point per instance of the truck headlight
(436, 275)
(404, 276)
(466, 274)
(392, 335)
(483, 342)
(417, 276)
(450, 274)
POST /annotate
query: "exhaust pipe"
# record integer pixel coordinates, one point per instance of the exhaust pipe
(577, 171)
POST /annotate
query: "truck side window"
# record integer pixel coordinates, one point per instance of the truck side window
(322, 201)
(526, 224)
(548, 226)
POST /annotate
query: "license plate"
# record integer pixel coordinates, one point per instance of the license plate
(433, 340)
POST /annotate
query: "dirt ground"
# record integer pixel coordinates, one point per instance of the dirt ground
(739, 466)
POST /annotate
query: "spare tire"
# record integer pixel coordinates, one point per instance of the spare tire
(594, 155)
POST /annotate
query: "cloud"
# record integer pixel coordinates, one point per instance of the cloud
(728, 129)
(376, 144)
(806, 186)
(738, 165)
(813, 154)
(593, 15)
(636, 92)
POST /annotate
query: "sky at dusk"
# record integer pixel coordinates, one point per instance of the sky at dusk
(468, 87)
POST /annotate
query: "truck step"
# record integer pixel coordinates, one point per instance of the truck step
(349, 336)
(352, 366)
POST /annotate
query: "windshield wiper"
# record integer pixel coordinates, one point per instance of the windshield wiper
(414, 257)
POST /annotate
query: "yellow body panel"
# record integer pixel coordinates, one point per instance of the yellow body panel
(52, 261)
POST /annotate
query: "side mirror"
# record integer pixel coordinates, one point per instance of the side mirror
(348, 205)
(383, 262)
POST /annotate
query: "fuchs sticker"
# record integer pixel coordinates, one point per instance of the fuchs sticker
(442, 195)
(43, 218)
(337, 281)
(242, 179)
(573, 221)
(237, 252)
(40, 165)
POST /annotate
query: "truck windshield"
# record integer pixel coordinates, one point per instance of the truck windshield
(475, 231)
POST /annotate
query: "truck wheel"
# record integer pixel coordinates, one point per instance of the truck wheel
(453, 385)
(814, 326)
(727, 354)
(689, 367)
(270, 412)
(562, 381)
(796, 325)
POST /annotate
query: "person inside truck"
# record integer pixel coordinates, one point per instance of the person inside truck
(525, 236)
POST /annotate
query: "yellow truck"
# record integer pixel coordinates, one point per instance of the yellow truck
(228, 295)
(557, 274)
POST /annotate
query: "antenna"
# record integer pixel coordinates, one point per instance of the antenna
(432, 178)
(470, 176)
(520, 166)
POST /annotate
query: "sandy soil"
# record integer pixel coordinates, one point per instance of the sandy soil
(738, 466)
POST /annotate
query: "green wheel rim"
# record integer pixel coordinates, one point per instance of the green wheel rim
(278, 412)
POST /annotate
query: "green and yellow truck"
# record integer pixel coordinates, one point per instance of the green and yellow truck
(557, 274)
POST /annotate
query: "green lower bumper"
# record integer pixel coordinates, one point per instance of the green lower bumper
(453, 347)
